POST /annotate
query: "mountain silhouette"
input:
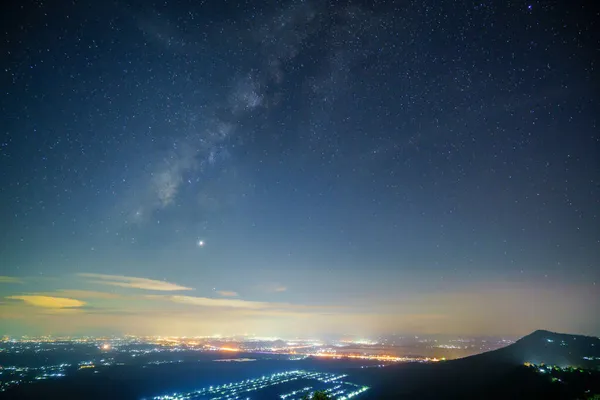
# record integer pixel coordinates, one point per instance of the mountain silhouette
(545, 347)
(498, 374)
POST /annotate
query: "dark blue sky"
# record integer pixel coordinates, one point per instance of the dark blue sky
(405, 166)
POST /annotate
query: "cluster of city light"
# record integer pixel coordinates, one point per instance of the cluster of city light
(139, 345)
(107, 348)
(261, 339)
(17, 375)
(296, 392)
(233, 390)
(366, 342)
(562, 342)
(450, 346)
(546, 368)
(373, 366)
(160, 362)
(86, 364)
(46, 376)
(375, 357)
(333, 378)
(341, 390)
(297, 357)
(555, 372)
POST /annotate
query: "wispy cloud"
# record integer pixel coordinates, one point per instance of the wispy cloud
(10, 279)
(227, 293)
(87, 294)
(260, 308)
(226, 303)
(49, 301)
(133, 282)
(274, 287)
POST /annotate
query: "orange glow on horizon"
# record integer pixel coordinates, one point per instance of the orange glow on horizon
(228, 349)
(375, 358)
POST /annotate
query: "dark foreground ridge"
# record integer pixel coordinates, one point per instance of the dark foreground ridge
(503, 373)
(545, 347)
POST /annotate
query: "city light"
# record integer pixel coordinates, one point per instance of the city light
(332, 384)
(130, 349)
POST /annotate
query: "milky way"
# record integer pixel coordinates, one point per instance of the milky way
(300, 166)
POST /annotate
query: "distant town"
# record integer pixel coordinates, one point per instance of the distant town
(48, 357)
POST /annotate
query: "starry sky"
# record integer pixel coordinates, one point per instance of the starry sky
(299, 167)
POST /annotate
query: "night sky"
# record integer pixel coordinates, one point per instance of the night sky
(299, 167)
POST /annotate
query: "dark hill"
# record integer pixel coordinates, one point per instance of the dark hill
(498, 374)
(544, 347)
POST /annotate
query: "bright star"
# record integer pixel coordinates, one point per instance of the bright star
(200, 243)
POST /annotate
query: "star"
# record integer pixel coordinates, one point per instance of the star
(305, 165)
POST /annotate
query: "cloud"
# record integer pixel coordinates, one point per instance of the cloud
(87, 294)
(247, 307)
(133, 282)
(49, 301)
(227, 293)
(274, 287)
(209, 302)
(10, 279)
(239, 304)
